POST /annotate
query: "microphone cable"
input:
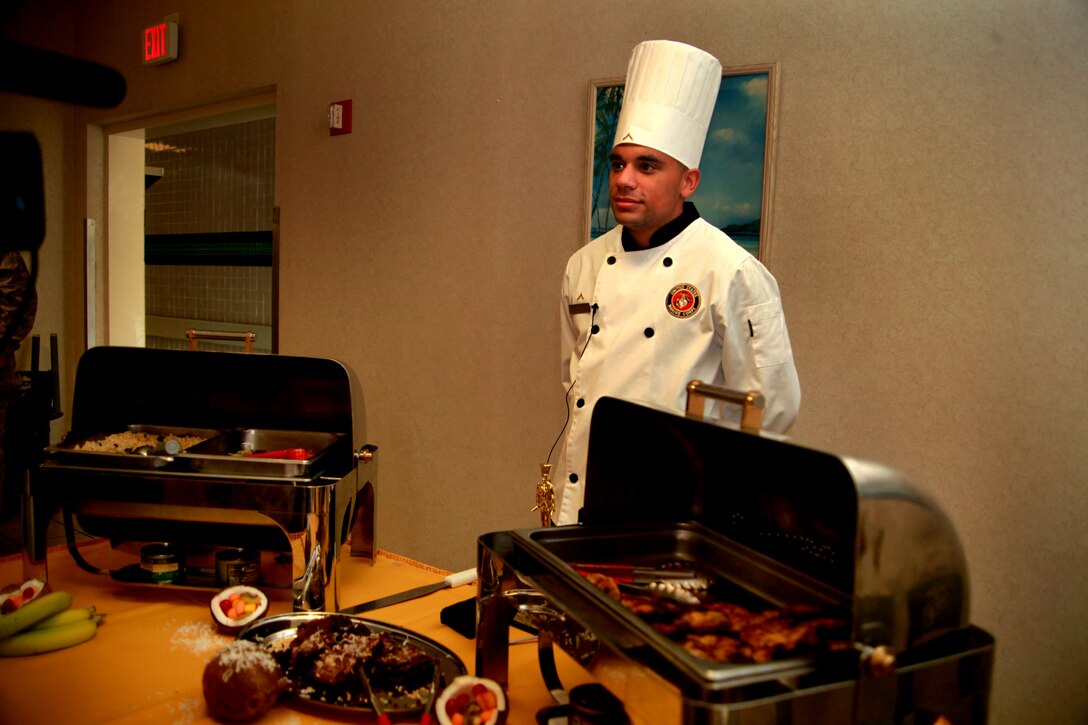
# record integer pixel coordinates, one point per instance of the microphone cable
(566, 396)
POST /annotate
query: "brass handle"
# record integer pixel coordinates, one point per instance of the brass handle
(751, 402)
(193, 335)
(365, 454)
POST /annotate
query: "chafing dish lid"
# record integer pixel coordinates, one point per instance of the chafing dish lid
(862, 527)
(117, 386)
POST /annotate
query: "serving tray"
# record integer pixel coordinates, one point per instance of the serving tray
(68, 452)
(278, 631)
(231, 453)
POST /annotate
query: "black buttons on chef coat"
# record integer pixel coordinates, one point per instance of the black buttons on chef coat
(595, 329)
(580, 403)
(573, 478)
(648, 332)
(667, 261)
(612, 259)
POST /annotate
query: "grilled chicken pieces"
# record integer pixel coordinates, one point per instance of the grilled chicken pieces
(729, 633)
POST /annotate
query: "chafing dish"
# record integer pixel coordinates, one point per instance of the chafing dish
(783, 526)
(218, 492)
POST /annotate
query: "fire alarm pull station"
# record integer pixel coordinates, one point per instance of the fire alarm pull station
(339, 118)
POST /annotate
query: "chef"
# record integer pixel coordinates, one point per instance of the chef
(665, 297)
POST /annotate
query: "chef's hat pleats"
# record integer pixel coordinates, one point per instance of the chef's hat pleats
(668, 99)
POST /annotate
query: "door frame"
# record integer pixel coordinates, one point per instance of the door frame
(113, 252)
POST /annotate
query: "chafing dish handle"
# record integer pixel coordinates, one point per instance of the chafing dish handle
(751, 402)
(193, 335)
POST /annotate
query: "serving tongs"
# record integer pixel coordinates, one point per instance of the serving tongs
(386, 703)
(632, 574)
(671, 581)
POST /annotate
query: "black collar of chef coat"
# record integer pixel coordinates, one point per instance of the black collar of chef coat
(666, 232)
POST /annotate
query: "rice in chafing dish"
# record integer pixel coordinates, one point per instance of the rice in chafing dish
(129, 441)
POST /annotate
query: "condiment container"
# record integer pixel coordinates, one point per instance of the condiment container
(237, 566)
(162, 562)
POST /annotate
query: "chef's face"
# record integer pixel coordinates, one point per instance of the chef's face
(647, 189)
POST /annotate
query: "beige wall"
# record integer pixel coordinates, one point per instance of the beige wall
(929, 225)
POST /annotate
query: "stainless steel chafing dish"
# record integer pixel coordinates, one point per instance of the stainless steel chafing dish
(783, 526)
(298, 507)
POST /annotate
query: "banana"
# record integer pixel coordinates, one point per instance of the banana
(68, 616)
(34, 611)
(37, 641)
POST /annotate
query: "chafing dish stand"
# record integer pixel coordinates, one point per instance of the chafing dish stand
(209, 498)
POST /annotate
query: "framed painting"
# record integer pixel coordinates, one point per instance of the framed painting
(737, 179)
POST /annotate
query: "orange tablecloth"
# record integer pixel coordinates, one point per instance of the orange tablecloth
(145, 664)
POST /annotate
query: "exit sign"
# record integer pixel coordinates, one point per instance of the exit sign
(161, 43)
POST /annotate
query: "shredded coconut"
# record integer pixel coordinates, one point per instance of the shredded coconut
(188, 711)
(243, 654)
(199, 638)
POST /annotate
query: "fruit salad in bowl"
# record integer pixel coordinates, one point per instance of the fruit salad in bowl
(471, 701)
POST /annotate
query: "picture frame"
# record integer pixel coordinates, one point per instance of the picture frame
(736, 191)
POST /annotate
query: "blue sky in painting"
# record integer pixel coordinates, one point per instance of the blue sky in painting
(731, 189)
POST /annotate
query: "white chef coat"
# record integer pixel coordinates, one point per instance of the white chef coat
(622, 338)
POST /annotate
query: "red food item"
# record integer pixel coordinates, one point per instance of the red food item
(293, 454)
(470, 701)
(457, 704)
(14, 596)
(474, 706)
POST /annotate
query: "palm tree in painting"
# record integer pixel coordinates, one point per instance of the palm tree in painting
(607, 117)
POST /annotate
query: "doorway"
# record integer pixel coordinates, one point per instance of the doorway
(197, 251)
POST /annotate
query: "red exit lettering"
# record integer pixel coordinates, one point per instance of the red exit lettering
(155, 42)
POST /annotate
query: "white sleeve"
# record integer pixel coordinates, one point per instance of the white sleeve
(756, 351)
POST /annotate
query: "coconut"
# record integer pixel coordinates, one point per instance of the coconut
(237, 606)
(241, 682)
(14, 596)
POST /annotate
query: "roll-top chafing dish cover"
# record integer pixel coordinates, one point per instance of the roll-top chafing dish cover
(214, 493)
(118, 386)
(861, 527)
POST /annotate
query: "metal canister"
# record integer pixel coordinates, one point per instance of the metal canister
(237, 566)
(162, 562)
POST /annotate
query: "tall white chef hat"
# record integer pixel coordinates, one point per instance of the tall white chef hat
(668, 99)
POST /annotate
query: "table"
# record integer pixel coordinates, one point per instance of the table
(146, 662)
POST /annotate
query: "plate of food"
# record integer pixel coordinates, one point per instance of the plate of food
(328, 660)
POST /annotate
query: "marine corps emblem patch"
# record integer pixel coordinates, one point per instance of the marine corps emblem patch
(683, 300)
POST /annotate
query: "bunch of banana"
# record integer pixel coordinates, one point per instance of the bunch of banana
(46, 623)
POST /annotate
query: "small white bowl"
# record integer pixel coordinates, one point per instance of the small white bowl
(464, 684)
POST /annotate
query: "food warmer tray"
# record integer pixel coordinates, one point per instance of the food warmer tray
(297, 513)
(69, 453)
(767, 585)
(232, 453)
